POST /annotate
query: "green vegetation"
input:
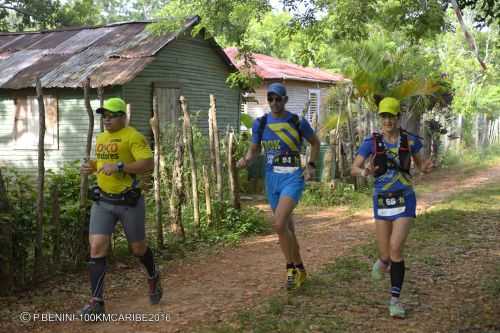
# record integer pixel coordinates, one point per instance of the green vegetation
(444, 250)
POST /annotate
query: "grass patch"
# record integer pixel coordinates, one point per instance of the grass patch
(342, 297)
(470, 159)
(491, 283)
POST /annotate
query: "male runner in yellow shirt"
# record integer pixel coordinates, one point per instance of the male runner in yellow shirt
(121, 153)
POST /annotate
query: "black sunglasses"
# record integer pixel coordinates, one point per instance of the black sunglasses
(112, 115)
(278, 99)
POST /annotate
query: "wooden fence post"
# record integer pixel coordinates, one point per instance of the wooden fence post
(177, 196)
(233, 173)
(155, 126)
(40, 182)
(100, 96)
(188, 142)
(208, 200)
(6, 253)
(84, 180)
(216, 151)
(56, 231)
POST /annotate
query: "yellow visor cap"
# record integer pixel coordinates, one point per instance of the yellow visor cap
(389, 105)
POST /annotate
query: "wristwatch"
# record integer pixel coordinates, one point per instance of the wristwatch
(120, 166)
(312, 164)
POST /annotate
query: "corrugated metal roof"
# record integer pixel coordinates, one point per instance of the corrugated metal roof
(270, 68)
(109, 55)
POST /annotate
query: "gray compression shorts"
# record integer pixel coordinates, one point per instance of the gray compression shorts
(103, 218)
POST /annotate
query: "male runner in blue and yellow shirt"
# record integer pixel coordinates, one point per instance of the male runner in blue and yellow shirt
(280, 133)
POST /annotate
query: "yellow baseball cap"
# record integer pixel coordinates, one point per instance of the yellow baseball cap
(114, 104)
(389, 105)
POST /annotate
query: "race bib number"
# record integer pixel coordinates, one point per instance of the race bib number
(391, 204)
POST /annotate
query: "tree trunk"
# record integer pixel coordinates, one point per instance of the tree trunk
(218, 164)
(211, 143)
(188, 142)
(350, 132)
(84, 180)
(208, 200)
(56, 231)
(155, 126)
(40, 182)
(475, 131)
(233, 173)
(177, 195)
(340, 155)
(100, 96)
(468, 36)
(6, 252)
(328, 160)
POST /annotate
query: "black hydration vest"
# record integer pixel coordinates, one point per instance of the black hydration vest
(383, 163)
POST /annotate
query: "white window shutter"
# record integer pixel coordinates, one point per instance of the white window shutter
(314, 101)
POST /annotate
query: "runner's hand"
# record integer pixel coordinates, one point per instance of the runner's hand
(309, 172)
(242, 163)
(87, 168)
(427, 166)
(108, 169)
(370, 168)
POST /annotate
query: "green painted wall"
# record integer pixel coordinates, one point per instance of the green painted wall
(192, 62)
(72, 127)
(195, 64)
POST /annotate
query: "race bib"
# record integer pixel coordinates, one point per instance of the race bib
(286, 163)
(391, 203)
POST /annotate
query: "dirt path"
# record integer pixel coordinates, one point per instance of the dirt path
(213, 287)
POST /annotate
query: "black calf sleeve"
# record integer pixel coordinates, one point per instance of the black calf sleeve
(397, 277)
(149, 262)
(97, 270)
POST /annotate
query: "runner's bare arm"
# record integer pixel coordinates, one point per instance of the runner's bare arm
(252, 153)
(359, 169)
(357, 166)
(314, 141)
(310, 170)
(141, 166)
(137, 167)
(422, 164)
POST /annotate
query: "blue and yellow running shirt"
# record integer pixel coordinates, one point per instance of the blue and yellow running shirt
(393, 179)
(280, 136)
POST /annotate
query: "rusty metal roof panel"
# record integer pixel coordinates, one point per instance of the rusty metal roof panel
(6, 39)
(116, 71)
(28, 75)
(110, 55)
(52, 39)
(9, 40)
(73, 72)
(144, 45)
(120, 35)
(80, 41)
(21, 43)
(16, 62)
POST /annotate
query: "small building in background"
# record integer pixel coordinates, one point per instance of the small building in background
(126, 60)
(303, 84)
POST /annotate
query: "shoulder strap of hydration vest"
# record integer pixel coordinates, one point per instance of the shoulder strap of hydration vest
(404, 153)
(294, 121)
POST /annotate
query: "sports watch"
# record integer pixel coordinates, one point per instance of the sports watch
(120, 166)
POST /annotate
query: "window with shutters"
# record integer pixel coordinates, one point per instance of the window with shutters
(27, 125)
(313, 112)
